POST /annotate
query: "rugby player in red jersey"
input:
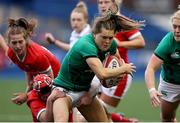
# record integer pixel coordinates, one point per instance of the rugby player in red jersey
(27, 55)
(39, 101)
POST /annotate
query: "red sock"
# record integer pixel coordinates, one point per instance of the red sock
(118, 118)
(71, 117)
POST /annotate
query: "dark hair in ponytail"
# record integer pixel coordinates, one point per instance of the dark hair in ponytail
(111, 21)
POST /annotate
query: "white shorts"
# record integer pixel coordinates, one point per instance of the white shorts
(117, 91)
(170, 92)
(75, 96)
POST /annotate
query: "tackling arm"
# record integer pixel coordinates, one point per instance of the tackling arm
(29, 79)
(21, 97)
(135, 43)
(47, 116)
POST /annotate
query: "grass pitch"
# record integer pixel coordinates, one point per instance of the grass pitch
(135, 104)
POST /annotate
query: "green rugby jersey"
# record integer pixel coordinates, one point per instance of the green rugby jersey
(168, 50)
(75, 74)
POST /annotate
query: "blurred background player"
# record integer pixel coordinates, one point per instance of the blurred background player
(166, 56)
(40, 105)
(79, 24)
(27, 55)
(125, 40)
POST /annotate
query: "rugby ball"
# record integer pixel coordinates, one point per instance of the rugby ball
(112, 62)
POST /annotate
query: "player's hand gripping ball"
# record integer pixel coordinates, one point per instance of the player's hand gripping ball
(112, 62)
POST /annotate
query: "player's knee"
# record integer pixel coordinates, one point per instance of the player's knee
(61, 118)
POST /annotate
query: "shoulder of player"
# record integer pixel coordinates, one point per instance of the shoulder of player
(34, 45)
(168, 38)
(170, 35)
(86, 40)
(36, 49)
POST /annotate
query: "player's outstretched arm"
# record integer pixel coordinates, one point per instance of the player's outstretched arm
(136, 43)
(47, 116)
(21, 97)
(153, 65)
(50, 38)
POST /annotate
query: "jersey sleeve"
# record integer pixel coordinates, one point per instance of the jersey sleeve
(130, 35)
(88, 50)
(164, 47)
(36, 106)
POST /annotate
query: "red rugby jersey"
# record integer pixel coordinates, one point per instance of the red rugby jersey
(35, 104)
(37, 60)
(126, 36)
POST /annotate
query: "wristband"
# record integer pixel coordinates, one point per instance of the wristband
(151, 89)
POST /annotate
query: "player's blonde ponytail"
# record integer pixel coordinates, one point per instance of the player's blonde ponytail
(176, 15)
(81, 8)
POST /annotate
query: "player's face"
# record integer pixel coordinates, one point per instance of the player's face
(78, 22)
(18, 44)
(176, 29)
(104, 39)
(103, 6)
